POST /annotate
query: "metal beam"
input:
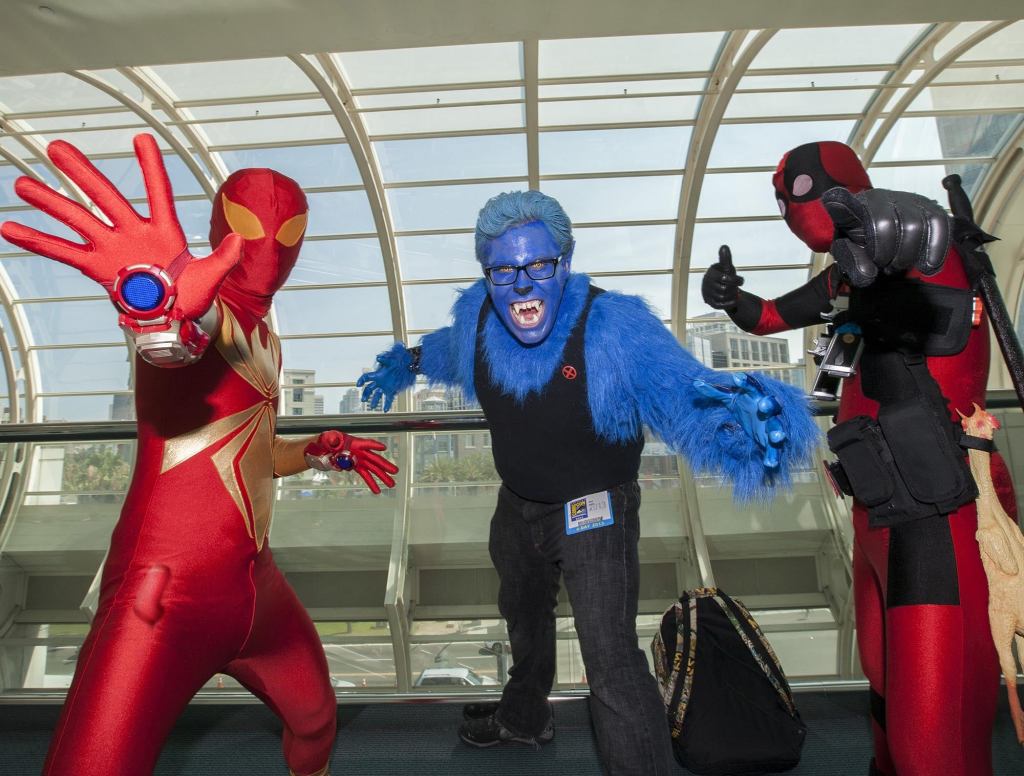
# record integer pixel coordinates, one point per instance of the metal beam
(883, 93)
(155, 89)
(731, 65)
(147, 115)
(929, 75)
(334, 89)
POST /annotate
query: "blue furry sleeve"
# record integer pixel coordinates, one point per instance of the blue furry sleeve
(639, 375)
(447, 354)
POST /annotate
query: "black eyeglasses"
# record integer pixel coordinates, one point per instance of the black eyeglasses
(507, 274)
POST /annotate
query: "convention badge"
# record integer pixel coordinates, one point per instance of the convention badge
(587, 512)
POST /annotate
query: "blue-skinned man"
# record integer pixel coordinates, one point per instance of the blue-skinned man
(568, 375)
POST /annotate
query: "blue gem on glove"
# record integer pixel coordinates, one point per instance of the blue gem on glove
(344, 461)
(143, 291)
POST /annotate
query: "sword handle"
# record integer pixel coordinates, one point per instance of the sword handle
(959, 203)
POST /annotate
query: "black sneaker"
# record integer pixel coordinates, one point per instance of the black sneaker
(478, 710)
(488, 731)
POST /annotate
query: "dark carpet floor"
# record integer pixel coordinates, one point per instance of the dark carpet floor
(386, 740)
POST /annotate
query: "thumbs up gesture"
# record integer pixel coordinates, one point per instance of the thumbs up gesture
(720, 287)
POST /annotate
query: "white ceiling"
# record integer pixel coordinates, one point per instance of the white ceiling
(38, 36)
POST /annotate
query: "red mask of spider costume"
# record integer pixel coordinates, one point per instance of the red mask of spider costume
(803, 175)
(269, 211)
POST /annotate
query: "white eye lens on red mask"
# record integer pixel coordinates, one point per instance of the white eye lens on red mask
(802, 185)
(782, 206)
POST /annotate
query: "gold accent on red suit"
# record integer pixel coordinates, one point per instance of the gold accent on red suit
(245, 463)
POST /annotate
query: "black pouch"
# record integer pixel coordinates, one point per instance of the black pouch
(903, 467)
(930, 463)
(865, 460)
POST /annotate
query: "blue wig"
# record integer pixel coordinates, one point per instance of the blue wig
(515, 208)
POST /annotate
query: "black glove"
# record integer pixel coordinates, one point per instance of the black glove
(892, 231)
(720, 287)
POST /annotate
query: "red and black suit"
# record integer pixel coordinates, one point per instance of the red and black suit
(920, 590)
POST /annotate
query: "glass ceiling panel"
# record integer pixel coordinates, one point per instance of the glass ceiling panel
(435, 65)
(737, 194)
(74, 123)
(103, 141)
(34, 277)
(749, 145)
(440, 97)
(9, 173)
(809, 103)
(1003, 74)
(752, 243)
(623, 248)
(449, 158)
(424, 257)
(400, 122)
(232, 79)
(339, 212)
(927, 179)
(288, 130)
(811, 80)
(688, 52)
(831, 46)
(324, 262)
(427, 306)
(618, 199)
(656, 289)
(72, 323)
(621, 88)
(258, 107)
(15, 148)
(614, 150)
(124, 173)
(52, 92)
(330, 164)
(943, 137)
(443, 207)
(83, 369)
(618, 110)
(350, 310)
(1008, 43)
(335, 360)
(194, 215)
(974, 97)
(959, 34)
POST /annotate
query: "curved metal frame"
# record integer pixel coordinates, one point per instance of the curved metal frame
(157, 126)
(151, 85)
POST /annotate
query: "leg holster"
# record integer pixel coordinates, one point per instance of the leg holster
(908, 463)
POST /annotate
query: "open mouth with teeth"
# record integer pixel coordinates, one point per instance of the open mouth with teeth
(527, 314)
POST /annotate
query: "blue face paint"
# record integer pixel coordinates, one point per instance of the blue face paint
(527, 307)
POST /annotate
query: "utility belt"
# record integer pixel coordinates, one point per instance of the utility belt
(910, 463)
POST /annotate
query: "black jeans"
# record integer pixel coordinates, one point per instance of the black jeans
(530, 550)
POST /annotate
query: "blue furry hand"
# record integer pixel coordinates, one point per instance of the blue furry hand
(395, 372)
(755, 410)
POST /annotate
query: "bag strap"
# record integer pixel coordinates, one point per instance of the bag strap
(682, 664)
(771, 668)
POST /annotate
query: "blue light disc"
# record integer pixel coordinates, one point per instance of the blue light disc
(142, 291)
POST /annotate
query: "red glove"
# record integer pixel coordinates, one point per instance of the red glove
(337, 451)
(144, 263)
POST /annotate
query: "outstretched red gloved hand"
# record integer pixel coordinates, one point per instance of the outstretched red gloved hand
(337, 451)
(144, 263)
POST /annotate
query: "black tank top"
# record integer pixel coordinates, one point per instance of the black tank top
(545, 448)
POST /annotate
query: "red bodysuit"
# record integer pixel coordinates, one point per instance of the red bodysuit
(190, 587)
(920, 590)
